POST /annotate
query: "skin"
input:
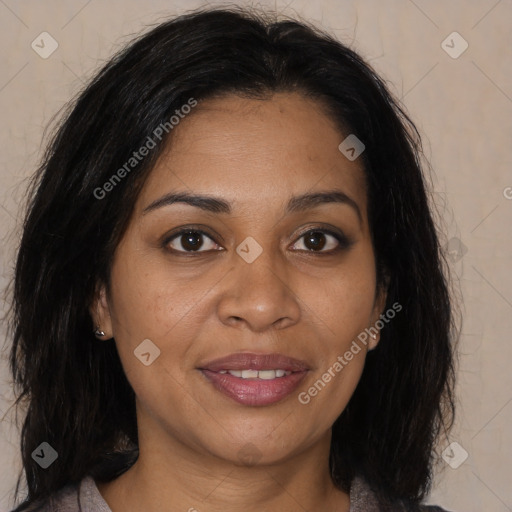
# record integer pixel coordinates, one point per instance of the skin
(198, 306)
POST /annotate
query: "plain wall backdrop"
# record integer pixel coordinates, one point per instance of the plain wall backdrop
(460, 99)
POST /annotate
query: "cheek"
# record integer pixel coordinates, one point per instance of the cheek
(343, 299)
(150, 306)
(344, 303)
(154, 302)
(328, 392)
(148, 300)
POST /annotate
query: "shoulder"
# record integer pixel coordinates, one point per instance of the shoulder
(80, 497)
(363, 499)
(64, 500)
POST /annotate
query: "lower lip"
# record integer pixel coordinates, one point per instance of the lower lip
(255, 391)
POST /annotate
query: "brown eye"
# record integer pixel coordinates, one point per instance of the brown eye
(189, 241)
(323, 241)
(315, 240)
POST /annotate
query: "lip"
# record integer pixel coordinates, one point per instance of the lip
(255, 392)
(250, 361)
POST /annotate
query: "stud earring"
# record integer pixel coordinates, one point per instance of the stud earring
(98, 333)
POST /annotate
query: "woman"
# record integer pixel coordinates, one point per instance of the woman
(229, 293)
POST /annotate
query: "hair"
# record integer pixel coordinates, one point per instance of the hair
(74, 391)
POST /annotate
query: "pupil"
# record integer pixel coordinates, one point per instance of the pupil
(312, 239)
(192, 241)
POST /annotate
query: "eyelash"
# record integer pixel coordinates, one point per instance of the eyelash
(343, 241)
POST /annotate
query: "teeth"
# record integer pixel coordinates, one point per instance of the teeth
(267, 374)
(249, 374)
(255, 374)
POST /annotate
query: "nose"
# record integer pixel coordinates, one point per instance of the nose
(259, 295)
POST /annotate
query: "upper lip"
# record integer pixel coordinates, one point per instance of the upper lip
(250, 361)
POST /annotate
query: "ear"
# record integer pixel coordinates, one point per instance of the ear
(100, 312)
(378, 310)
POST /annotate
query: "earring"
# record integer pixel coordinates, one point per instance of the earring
(373, 335)
(98, 333)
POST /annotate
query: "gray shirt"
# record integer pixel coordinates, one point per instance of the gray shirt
(85, 497)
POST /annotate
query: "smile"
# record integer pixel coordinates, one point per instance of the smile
(255, 379)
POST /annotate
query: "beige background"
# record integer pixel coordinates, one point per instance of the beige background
(463, 108)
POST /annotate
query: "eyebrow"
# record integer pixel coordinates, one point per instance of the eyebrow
(217, 205)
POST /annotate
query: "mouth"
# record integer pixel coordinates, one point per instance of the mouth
(255, 379)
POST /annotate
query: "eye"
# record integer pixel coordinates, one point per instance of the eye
(190, 240)
(315, 240)
(318, 239)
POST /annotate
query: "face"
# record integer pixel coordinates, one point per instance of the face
(277, 282)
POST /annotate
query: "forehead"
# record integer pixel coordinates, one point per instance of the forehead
(249, 150)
